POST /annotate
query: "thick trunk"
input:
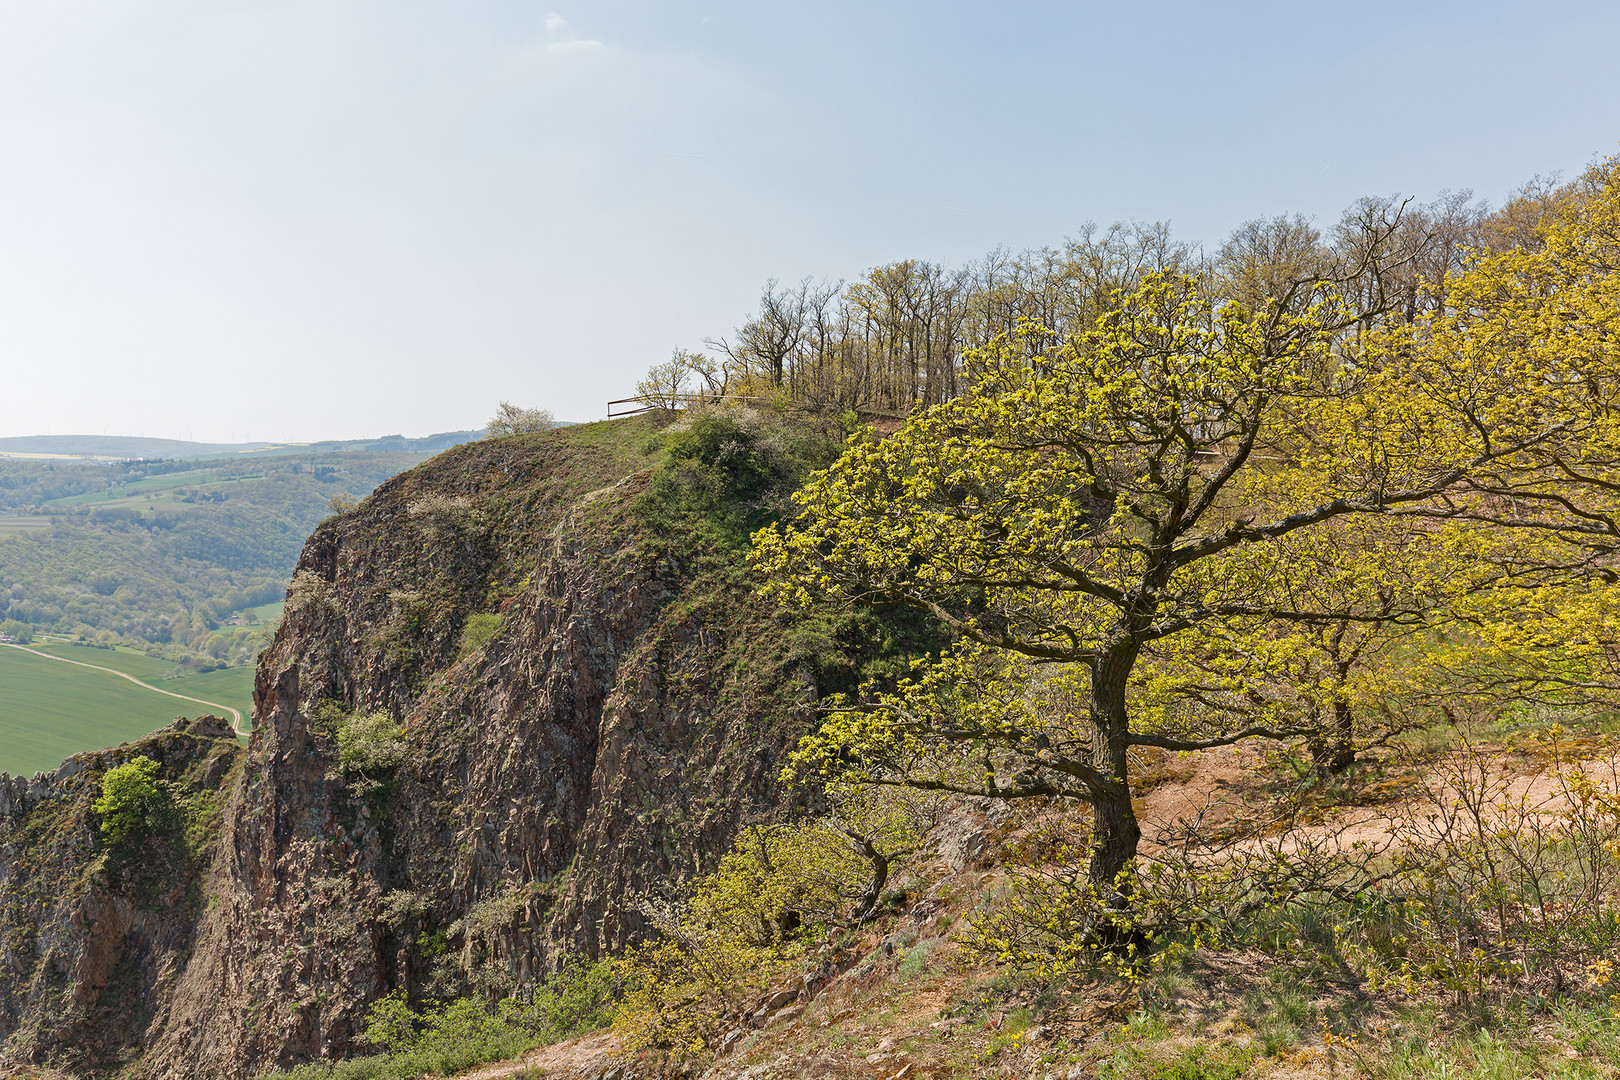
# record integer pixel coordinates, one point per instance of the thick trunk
(1115, 830)
(874, 888)
(1336, 751)
(879, 863)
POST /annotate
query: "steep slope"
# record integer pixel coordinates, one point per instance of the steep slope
(92, 940)
(629, 712)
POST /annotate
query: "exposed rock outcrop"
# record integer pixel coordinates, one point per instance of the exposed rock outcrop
(93, 940)
(630, 710)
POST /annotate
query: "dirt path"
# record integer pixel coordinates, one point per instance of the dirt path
(576, 1059)
(236, 717)
(1511, 790)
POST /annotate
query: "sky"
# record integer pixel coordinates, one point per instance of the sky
(288, 221)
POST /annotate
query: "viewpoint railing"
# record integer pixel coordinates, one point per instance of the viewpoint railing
(650, 402)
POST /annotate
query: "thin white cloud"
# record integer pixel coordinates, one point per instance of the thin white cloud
(575, 45)
(555, 22)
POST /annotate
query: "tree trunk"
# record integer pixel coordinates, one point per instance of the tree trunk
(1115, 832)
(866, 907)
(1336, 750)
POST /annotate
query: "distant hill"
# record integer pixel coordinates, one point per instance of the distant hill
(108, 447)
(126, 447)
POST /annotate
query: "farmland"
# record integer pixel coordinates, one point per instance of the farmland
(18, 526)
(49, 710)
(171, 572)
(169, 558)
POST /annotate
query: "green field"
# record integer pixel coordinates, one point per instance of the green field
(228, 686)
(50, 710)
(15, 526)
(166, 488)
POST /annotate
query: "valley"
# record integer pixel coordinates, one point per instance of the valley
(172, 571)
(50, 710)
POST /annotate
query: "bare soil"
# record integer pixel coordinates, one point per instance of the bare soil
(956, 1017)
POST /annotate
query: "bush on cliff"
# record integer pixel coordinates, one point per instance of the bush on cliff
(458, 1034)
(736, 932)
(132, 801)
(729, 470)
(367, 747)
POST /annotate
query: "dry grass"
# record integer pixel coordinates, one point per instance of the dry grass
(1283, 1004)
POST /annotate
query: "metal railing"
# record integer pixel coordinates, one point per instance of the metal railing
(680, 399)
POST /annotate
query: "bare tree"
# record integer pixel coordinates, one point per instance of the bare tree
(509, 419)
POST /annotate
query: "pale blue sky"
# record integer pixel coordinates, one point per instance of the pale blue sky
(331, 219)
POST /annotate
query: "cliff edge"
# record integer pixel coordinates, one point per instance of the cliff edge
(517, 689)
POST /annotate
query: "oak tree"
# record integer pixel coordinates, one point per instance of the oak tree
(1166, 479)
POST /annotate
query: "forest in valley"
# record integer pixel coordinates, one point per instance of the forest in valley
(167, 556)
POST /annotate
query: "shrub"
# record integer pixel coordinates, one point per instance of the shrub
(683, 986)
(445, 1040)
(477, 632)
(1484, 886)
(369, 746)
(510, 419)
(581, 997)
(390, 1023)
(306, 590)
(1495, 887)
(779, 879)
(741, 929)
(1050, 920)
(132, 800)
(730, 469)
(461, 1033)
(727, 940)
(776, 879)
(441, 517)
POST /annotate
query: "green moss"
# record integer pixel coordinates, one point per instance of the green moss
(476, 632)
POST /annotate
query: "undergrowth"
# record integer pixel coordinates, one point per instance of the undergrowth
(448, 1038)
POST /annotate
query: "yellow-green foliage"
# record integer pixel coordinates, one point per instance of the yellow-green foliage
(742, 927)
(477, 632)
(683, 985)
(1189, 500)
(780, 878)
(776, 878)
(736, 931)
(1048, 919)
(369, 746)
(130, 800)
(959, 722)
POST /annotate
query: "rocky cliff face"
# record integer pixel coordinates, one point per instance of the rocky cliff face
(572, 716)
(92, 940)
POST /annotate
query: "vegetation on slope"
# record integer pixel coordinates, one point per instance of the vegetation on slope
(1097, 530)
(104, 876)
(1057, 514)
(167, 556)
(1204, 520)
